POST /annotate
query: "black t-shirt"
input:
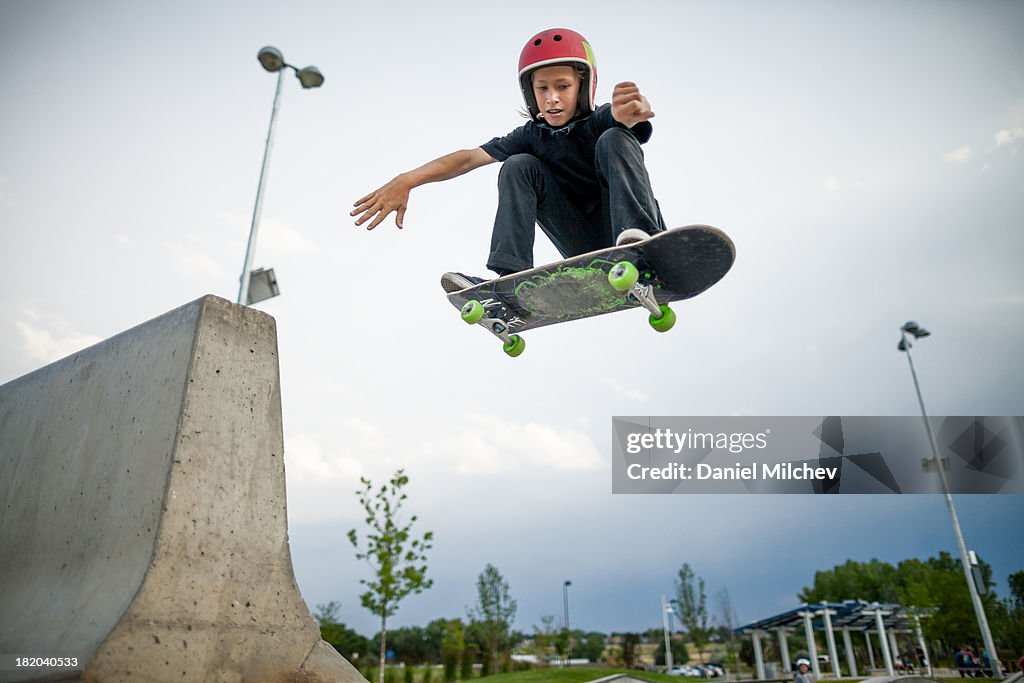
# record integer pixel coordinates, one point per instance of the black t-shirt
(568, 152)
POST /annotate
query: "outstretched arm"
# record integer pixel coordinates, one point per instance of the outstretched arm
(394, 196)
(629, 107)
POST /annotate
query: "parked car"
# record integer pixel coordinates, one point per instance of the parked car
(714, 669)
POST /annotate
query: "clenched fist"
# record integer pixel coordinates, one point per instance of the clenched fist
(629, 107)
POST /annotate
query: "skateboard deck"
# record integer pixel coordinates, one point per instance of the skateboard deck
(671, 266)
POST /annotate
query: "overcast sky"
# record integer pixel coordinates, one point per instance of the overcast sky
(865, 158)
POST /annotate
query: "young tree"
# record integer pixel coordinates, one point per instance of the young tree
(544, 639)
(468, 660)
(396, 559)
(630, 649)
(494, 612)
(452, 648)
(692, 602)
(727, 622)
(346, 641)
(433, 637)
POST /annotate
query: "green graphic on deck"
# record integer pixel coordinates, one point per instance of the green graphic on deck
(571, 292)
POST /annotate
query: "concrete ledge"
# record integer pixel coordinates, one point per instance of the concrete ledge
(144, 520)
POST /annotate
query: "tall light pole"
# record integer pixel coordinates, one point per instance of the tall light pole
(310, 77)
(565, 605)
(666, 609)
(918, 332)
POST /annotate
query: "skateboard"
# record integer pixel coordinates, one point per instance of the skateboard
(671, 266)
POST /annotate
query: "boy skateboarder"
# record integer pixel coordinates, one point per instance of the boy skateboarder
(575, 170)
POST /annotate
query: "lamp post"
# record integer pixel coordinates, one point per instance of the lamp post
(565, 602)
(917, 332)
(565, 605)
(310, 77)
(666, 610)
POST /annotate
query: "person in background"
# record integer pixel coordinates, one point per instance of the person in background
(803, 671)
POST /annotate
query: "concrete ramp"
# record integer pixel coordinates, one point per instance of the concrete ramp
(143, 526)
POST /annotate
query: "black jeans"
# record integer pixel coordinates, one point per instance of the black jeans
(528, 195)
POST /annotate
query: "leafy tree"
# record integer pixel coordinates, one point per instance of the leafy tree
(396, 559)
(433, 640)
(347, 642)
(727, 624)
(680, 654)
(327, 613)
(1009, 633)
(630, 649)
(452, 648)
(493, 614)
(936, 583)
(544, 639)
(652, 635)
(692, 604)
(873, 581)
(468, 660)
(409, 645)
(589, 646)
(1016, 582)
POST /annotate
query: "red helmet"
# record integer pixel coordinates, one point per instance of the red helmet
(553, 47)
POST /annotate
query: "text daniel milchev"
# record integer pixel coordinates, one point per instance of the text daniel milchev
(666, 439)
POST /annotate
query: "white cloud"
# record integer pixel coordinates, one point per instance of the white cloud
(319, 468)
(834, 184)
(274, 236)
(47, 345)
(631, 393)
(356, 442)
(959, 155)
(277, 237)
(306, 462)
(741, 412)
(1004, 138)
(195, 263)
(489, 444)
(192, 257)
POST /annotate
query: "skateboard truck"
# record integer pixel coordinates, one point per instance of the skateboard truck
(473, 312)
(643, 295)
(624, 277)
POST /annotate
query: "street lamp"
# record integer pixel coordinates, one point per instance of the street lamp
(917, 332)
(565, 604)
(265, 284)
(666, 610)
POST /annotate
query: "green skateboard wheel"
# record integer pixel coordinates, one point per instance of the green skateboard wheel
(666, 321)
(623, 276)
(473, 312)
(516, 346)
